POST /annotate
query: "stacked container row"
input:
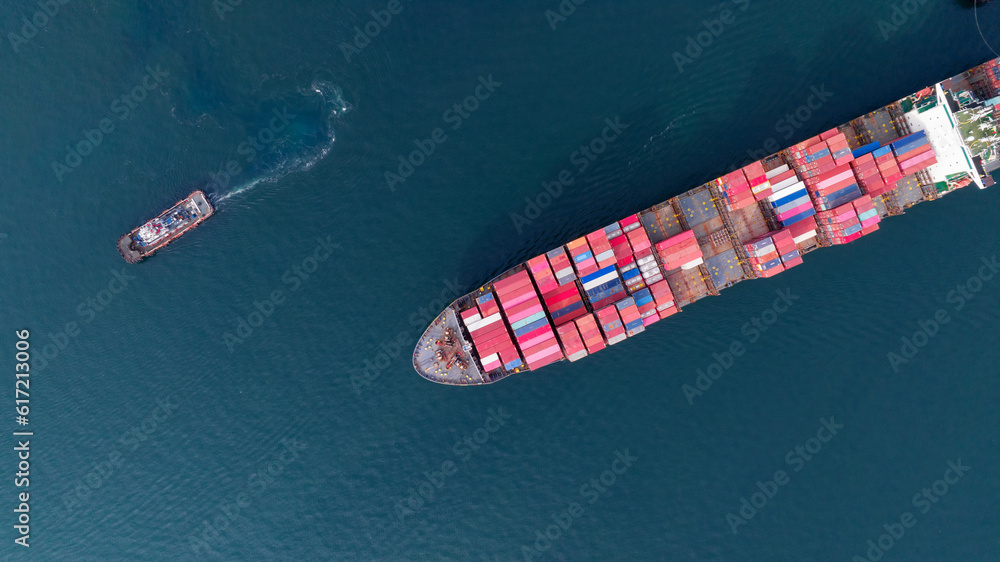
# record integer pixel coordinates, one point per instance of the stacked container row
(764, 256)
(527, 319)
(841, 225)
(788, 252)
(631, 319)
(867, 214)
(869, 177)
(611, 324)
(759, 183)
(603, 287)
(736, 192)
(542, 273)
(888, 168)
(599, 244)
(590, 332)
(914, 153)
(561, 266)
(680, 251)
(789, 199)
(834, 188)
(572, 343)
(820, 155)
(582, 256)
(664, 299)
(490, 336)
(643, 270)
(646, 305)
(803, 231)
(564, 304)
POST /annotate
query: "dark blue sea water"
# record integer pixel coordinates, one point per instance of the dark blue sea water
(240, 397)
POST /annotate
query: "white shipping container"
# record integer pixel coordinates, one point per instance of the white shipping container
(693, 264)
(604, 256)
(475, 326)
(654, 278)
(600, 280)
(762, 251)
(785, 183)
(777, 171)
(837, 178)
(664, 306)
(786, 191)
(802, 238)
(792, 204)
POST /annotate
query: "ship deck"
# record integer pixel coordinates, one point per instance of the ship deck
(125, 249)
(427, 364)
(202, 209)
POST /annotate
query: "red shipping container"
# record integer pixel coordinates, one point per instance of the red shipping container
(561, 292)
(556, 306)
(802, 227)
(668, 312)
(513, 284)
(676, 239)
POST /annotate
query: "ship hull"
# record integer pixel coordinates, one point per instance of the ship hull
(610, 285)
(196, 205)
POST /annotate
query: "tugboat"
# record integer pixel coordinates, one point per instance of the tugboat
(164, 229)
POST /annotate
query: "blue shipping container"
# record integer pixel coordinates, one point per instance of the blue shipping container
(790, 256)
(909, 138)
(625, 303)
(845, 199)
(819, 155)
(626, 275)
(530, 327)
(852, 230)
(839, 193)
(871, 147)
(597, 274)
(790, 197)
(634, 325)
(567, 310)
(910, 146)
(772, 264)
(791, 205)
(882, 151)
(529, 320)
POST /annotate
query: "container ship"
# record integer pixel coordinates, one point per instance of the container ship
(756, 222)
(164, 229)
